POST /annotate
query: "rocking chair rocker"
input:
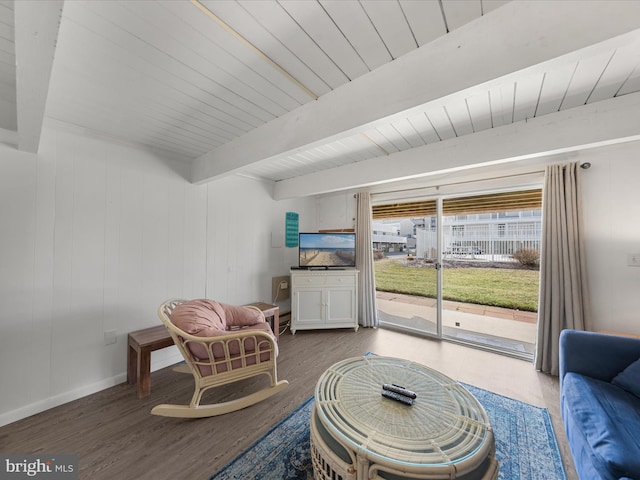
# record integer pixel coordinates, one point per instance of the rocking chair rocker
(221, 344)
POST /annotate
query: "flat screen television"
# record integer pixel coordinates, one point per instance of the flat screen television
(327, 250)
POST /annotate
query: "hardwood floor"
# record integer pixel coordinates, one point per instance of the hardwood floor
(115, 436)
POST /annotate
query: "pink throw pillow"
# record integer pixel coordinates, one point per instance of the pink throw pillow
(202, 318)
(241, 316)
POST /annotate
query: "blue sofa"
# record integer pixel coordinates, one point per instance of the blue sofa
(600, 403)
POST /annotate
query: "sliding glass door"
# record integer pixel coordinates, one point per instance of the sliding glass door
(491, 298)
(466, 270)
(406, 273)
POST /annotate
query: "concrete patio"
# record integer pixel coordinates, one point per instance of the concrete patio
(511, 330)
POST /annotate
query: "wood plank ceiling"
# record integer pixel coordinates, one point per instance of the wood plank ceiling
(186, 77)
(166, 74)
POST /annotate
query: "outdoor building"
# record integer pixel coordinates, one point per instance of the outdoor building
(386, 237)
(484, 236)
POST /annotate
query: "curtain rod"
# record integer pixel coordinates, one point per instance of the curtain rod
(584, 166)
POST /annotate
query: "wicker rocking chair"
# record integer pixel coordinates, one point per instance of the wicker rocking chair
(221, 344)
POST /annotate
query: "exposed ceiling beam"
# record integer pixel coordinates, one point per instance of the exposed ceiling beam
(36, 33)
(593, 125)
(518, 35)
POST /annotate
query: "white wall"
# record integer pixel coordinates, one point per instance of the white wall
(611, 197)
(94, 236)
(336, 211)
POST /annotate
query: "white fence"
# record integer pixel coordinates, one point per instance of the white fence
(488, 242)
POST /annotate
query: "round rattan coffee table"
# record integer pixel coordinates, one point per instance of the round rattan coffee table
(356, 433)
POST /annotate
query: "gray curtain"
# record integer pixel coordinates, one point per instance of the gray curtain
(564, 298)
(367, 308)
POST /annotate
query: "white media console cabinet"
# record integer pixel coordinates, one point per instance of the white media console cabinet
(324, 299)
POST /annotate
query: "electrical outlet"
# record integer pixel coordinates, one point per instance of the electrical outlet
(280, 288)
(633, 259)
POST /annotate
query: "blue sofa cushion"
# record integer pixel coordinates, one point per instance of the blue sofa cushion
(629, 378)
(607, 418)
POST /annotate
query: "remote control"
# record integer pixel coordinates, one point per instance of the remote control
(397, 397)
(398, 389)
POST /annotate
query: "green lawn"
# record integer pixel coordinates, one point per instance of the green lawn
(501, 287)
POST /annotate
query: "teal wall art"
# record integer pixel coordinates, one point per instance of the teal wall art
(291, 229)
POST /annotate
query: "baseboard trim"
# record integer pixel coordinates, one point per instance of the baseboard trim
(66, 397)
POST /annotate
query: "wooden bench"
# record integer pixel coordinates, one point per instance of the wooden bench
(142, 342)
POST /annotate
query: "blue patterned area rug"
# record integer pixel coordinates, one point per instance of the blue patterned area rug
(526, 446)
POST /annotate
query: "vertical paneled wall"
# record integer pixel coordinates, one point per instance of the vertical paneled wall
(337, 211)
(94, 235)
(242, 221)
(19, 335)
